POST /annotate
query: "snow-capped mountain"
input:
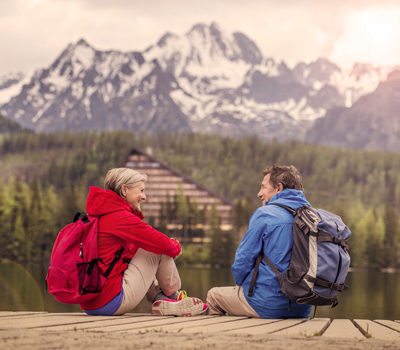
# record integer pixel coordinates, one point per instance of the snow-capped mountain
(89, 89)
(10, 85)
(373, 122)
(350, 84)
(206, 80)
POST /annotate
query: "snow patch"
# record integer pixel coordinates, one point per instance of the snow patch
(41, 112)
(77, 90)
(82, 58)
(8, 93)
(269, 68)
(86, 103)
(57, 82)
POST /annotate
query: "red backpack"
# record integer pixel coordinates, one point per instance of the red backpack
(74, 276)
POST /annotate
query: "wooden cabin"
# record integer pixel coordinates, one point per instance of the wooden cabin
(165, 183)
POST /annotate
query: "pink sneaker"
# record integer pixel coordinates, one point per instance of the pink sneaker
(183, 306)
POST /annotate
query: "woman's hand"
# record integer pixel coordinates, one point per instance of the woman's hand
(177, 247)
(180, 253)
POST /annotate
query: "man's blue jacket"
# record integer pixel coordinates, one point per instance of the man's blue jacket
(270, 228)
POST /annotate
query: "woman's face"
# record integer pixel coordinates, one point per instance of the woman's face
(134, 194)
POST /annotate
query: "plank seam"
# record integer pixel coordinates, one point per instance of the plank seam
(259, 325)
(156, 317)
(358, 326)
(23, 314)
(385, 325)
(90, 329)
(223, 322)
(251, 326)
(83, 322)
(296, 324)
(324, 328)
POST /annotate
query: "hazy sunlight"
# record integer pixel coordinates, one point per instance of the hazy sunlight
(371, 35)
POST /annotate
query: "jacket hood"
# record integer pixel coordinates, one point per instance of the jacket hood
(100, 202)
(291, 198)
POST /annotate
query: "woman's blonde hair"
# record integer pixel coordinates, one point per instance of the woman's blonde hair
(117, 177)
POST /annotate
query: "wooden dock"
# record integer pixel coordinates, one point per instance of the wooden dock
(322, 328)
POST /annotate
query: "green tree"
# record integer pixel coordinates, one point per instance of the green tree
(222, 242)
(391, 241)
(182, 212)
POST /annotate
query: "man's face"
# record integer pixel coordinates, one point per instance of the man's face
(267, 191)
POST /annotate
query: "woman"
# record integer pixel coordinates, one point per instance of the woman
(147, 265)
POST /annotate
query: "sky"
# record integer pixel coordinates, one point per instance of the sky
(34, 32)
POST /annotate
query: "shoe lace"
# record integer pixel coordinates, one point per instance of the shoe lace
(182, 295)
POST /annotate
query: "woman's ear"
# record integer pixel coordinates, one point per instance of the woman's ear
(123, 190)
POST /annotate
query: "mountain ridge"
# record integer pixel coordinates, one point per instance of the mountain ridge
(207, 80)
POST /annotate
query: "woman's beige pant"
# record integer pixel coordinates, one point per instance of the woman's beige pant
(230, 301)
(148, 274)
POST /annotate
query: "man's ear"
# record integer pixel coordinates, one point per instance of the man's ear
(279, 187)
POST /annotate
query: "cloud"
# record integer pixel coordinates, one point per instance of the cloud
(370, 34)
(291, 30)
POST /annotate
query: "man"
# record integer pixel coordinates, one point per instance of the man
(270, 230)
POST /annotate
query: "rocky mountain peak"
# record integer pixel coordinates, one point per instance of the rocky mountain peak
(198, 28)
(394, 75)
(213, 41)
(82, 42)
(359, 69)
(77, 57)
(212, 81)
(10, 79)
(168, 36)
(317, 73)
(249, 49)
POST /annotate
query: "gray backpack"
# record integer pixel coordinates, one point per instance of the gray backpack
(320, 259)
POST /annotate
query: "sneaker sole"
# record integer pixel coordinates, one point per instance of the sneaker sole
(184, 307)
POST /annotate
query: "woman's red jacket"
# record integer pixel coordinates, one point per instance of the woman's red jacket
(121, 226)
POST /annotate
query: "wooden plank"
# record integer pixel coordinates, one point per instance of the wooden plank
(151, 323)
(270, 327)
(19, 313)
(376, 330)
(238, 323)
(137, 323)
(340, 328)
(40, 321)
(99, 324)
(41, 314)
(171, 325)
(196, 324)
(313, 327)
(391, 324)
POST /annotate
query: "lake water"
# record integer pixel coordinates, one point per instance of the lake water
(372, 294)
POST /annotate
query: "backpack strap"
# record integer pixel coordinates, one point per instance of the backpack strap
(111, 266)
(266, 259)
(323, 283)
(272, 266)
(291, 210)
(81, 216)
(255, 272)
(254, 276)
(325, 237)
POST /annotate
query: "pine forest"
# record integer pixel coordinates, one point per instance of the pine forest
(45, 180)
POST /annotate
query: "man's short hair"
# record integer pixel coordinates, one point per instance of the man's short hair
(288, 176)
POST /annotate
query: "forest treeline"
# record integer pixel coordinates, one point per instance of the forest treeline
(45, 179)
